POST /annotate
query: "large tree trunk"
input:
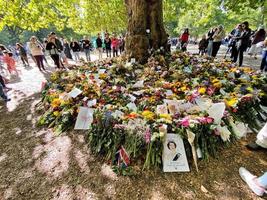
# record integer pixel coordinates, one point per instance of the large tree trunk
(144, 15)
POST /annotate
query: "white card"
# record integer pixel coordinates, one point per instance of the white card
(138, 93)
(75, 92)
(133, 60)
(133, 98)
(101, 71)
(169, 93)
(138, 84)
(216, 111)
(162, 109)
(84, 119)
(132, 107)
(91, 103)
(174, 156)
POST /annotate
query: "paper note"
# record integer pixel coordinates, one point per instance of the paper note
(75, 92)
(91, 103)
(84, 119)
(162, 109)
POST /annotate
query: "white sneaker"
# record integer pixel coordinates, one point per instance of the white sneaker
(252, 181)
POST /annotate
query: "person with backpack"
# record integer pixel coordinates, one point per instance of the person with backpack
(54, 47)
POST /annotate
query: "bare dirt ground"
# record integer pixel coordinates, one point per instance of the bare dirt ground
(34, 164)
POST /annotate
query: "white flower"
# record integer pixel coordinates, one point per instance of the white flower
(224, 133)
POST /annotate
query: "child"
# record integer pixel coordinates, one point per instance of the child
(203, 45)
(11, 63)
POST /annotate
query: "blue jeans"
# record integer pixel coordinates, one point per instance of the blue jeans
(2, 94)
(210, 45)
(87, 54)
(264, 60)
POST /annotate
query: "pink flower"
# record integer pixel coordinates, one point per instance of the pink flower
(210, 91)
(185, 122)
(147, 136)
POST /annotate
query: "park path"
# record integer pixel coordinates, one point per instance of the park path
(34, 164)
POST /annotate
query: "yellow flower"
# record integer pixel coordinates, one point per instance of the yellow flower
(148, 115)
(55, 103)
(250, 89)
(103, 76)
(56, 113)
(183, 89)
(202, 90)
(232, 102)
(217, 85)
(165, 116)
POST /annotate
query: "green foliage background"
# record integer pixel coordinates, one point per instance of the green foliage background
(19, 19)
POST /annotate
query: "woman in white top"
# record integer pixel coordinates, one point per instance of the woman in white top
(37, 52)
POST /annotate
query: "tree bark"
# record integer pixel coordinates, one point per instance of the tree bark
(144, 15)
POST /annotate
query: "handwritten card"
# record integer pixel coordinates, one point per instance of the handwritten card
(75, 92)
(174, 156)
(84, 119)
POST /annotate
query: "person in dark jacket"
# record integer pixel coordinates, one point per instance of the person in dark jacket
(86, 45)
(107, 42)
(210, 40)
(243, 42)
(23, 54)
(202, 46)
(66, 47)
(75, 47)
(99, 47)
(258, 37)
(54, 47)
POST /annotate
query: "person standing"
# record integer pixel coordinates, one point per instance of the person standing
(121, 44)
(54, 48)
(264, 57)
(202, 46)
(23, 54)
(66, 48)
(115, 45)
(243, 42)
(217, 40)
(75, 47)
(259, 36)
(107, 42)
(233, 43)
(86, 45)
(210, 40)
(37, 52)
(184, 39)
(99, 47)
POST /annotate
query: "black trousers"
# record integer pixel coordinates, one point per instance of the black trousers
(56, 60)
(215, 48)
(115, 52)
(39, 61)
(108, 51)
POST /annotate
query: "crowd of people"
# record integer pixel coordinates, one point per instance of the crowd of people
(60, 51)
(240, 40)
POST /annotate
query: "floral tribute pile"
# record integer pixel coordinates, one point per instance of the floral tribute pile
(208, 103)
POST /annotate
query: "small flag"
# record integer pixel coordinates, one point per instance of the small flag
(122, 157)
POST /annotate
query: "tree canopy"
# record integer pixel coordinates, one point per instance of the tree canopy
(85, 17)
